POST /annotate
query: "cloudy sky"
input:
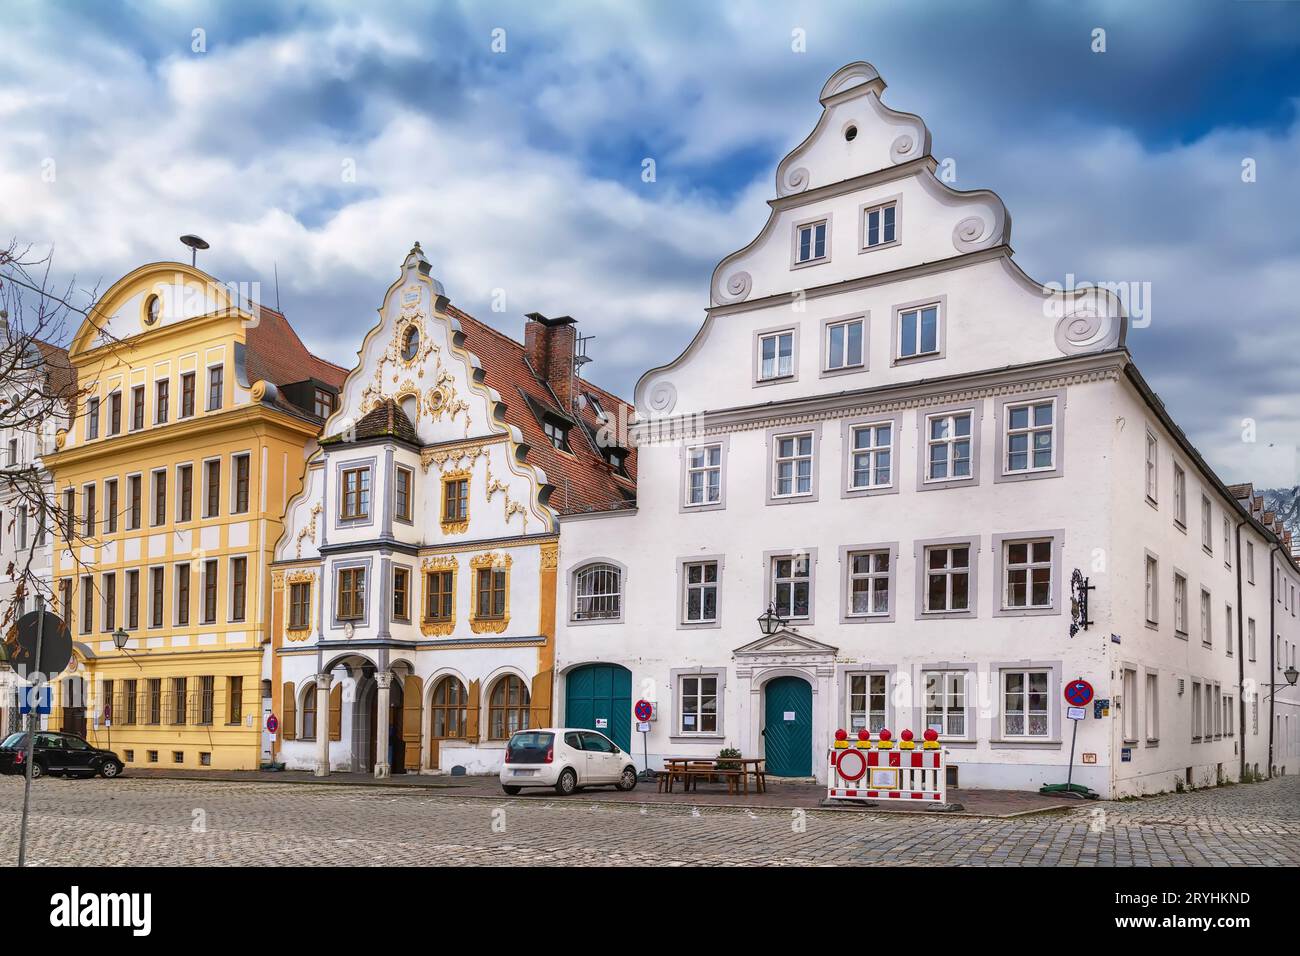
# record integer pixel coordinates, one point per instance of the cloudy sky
(323, 138)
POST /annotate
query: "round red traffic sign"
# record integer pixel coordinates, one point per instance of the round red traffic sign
(272, 724)
(644, 710)
(1078, 692)
(852, 765)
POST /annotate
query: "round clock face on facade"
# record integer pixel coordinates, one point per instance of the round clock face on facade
(410, 343)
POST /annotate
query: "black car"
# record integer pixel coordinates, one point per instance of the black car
(59, 754)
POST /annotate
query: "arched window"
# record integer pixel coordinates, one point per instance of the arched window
(507, 708)
(598, 593)
(308, 713)
(448, 707)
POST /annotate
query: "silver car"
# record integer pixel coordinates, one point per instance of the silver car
(566, 758)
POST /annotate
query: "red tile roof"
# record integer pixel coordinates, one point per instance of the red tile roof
(276, 354)
(582, 481)
(60, 374)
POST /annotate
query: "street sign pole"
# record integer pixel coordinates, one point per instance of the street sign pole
(31, 734)
(1069, 775)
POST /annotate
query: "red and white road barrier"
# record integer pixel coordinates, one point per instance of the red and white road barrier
(883, 769)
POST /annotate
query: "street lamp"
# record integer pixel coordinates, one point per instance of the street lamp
(1291, 675)
(769, 622)
(120, 637)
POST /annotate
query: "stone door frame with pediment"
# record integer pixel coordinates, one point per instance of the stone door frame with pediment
(787, 653)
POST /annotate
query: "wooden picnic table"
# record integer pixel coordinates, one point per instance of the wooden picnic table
(737, 774)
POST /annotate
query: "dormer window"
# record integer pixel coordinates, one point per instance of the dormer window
(557, 433)
(810, 241)
(323, 403)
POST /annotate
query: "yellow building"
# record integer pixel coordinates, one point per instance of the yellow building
(200, 409)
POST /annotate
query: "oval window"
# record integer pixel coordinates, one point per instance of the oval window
(152, 310)
(410, 343)
(851, 133)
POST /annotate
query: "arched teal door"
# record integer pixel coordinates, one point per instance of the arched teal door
(599, 697)
(787, 727)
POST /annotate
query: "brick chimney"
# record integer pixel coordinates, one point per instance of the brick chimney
(550, 345)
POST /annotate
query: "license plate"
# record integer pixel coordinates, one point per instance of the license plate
(524, 773)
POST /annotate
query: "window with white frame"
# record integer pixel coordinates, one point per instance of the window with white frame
(1152, 472)
(948, 446)
(1207, 516)
(844, 345)
(1227, 629)
(700, 595)
(1130, 712)
(792, 586)
(1151, 707)
(1180, 603)
(1207, 633)
(1027, 574)
(1227, 541)
(868, 583)
(776, 355)
(1250, 638)
(945, 703)
(1180, 496)
(810, 242)
(703, 475)
(1250, 561)
(918, 331)
(866, 700)
(699, 709)
(880, 225)
(1152, 590)
(1030, 436)
(1024, 703)
(947, 571)
(872, 456)
(598, 593)
(1196, 711)
(792, 468)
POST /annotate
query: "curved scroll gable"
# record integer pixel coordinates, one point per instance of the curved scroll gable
(856, 134)
(417, 355)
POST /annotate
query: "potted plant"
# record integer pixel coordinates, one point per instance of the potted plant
(727, 759)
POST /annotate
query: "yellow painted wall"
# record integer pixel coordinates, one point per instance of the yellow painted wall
(274, 440)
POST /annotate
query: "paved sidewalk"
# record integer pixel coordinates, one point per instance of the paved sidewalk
(780, 795)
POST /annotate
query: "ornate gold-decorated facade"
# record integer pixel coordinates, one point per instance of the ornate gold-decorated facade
(421, 630)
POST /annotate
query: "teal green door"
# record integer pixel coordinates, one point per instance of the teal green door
(787, 736)
(599, 697)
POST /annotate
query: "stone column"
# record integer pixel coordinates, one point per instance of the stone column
(323, 682)
(382, 681)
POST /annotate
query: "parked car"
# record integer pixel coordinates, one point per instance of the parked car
(566, 758)
(58, 754)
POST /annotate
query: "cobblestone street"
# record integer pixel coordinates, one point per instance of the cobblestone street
(142, 822)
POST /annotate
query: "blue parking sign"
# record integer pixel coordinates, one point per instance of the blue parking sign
(41, 696)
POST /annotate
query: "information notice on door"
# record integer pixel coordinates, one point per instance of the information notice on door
(789, 715)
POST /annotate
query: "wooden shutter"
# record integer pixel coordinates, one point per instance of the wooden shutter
(289, 708)
(336, 713)
(471, 711)
(412, 719)
(539, 702)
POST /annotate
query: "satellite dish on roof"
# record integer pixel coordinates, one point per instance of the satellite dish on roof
(195, 243)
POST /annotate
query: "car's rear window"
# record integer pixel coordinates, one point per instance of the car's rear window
(13, 741)
(530, 747)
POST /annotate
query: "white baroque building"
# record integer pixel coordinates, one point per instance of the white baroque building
(890, 433)
(414, 589)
